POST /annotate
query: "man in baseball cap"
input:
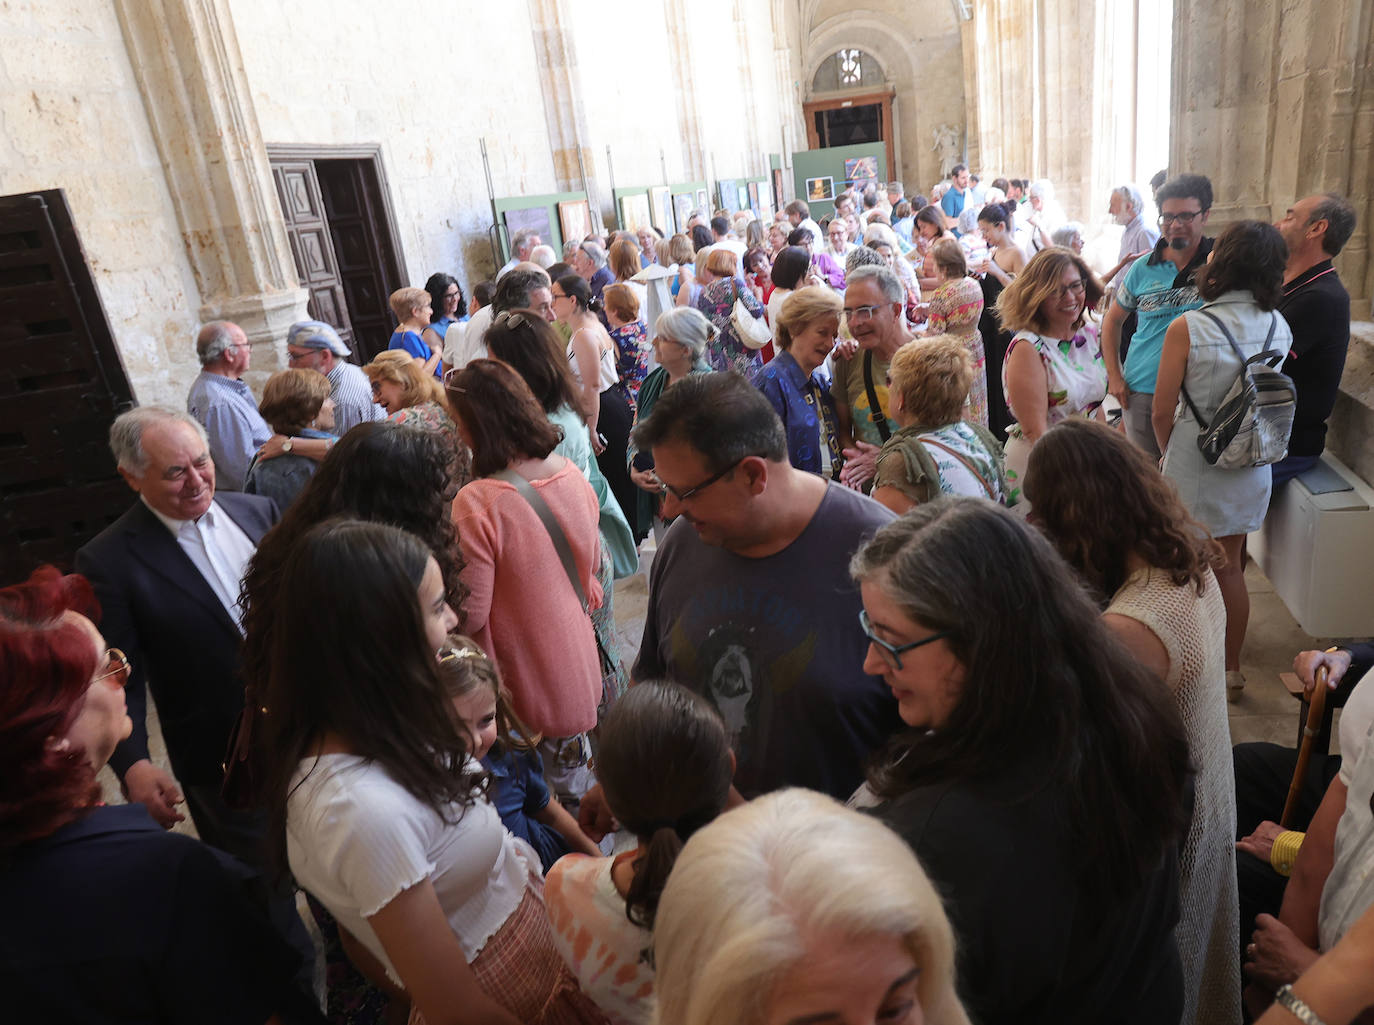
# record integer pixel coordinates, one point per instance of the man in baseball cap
(315, 345)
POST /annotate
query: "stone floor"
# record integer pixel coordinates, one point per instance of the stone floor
(1265, 710)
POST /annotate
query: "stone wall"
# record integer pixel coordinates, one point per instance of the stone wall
(1350, 434)
(155, 117)
(919, 47)
(1275, 102)
(72, 118)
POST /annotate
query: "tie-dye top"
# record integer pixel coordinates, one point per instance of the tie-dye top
(608, 954)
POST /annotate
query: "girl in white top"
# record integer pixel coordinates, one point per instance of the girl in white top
(376, 799)
(664, 765)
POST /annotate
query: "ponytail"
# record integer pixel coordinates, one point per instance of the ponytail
(655, 863)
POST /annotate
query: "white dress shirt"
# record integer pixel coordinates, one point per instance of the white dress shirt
(219, 550)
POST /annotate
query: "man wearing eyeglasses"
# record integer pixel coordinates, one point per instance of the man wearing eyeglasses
(1158, 288)
(224, 404)
(315, 345)
(874, 301)
(750, 599)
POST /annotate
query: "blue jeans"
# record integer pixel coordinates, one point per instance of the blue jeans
(1291, 466)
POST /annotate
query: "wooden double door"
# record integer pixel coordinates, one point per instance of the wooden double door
(338, 218)
(61, 384)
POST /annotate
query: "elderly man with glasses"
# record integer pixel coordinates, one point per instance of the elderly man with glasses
(874, 301)
(751, 603)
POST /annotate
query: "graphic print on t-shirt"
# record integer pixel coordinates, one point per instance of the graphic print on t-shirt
(742, 682)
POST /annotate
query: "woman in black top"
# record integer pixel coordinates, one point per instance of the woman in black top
(1044, 783)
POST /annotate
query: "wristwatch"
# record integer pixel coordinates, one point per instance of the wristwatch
(286, 446)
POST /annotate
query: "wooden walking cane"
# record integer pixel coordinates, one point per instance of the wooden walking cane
(1316, 710)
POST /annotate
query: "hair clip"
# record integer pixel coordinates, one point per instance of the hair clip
(445, 654)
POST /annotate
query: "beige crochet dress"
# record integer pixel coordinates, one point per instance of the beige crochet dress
(1192, 629)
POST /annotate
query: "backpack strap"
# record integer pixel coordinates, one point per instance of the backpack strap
(926, 439)
(550, 522)
(875, 408)
(1273, 324)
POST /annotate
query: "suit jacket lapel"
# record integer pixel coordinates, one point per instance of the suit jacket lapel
(152, 544)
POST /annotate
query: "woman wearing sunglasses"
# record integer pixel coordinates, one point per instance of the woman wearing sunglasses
(106, 914)
(1043, 783)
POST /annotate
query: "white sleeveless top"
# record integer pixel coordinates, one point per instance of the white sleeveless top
(606, 373)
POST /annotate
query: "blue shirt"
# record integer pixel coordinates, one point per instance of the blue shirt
(413, 344)
(352, 395)
(225, 408)
(807, 411)
(952, 203)
(1158, 292)
(519, 793)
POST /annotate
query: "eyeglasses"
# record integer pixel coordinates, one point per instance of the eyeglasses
(511, 318)
(116, 666)
(1077, 288)
(296, 357)
(683, 496)
(892, 653)
(1184, 218)
(860, 314)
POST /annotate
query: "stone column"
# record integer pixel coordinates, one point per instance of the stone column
(185, 56)
(1274, 102)
(677, 14)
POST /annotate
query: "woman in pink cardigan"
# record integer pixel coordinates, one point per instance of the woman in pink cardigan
(521, 606)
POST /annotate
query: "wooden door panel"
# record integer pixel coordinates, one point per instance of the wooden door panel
(347, 190)
(298, 193)
(61, 384)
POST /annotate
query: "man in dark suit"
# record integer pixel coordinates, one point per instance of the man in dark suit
(167, 574)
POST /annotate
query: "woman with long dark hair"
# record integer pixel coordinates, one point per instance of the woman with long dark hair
(373, 795)
(1004, 261)
(1241, 285)
(447, 306)
(1044, 780)
(1152, 565)
(522, 607)
(524, 340)
(592, 356)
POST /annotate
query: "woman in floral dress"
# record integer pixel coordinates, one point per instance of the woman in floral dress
(955, 309)
(1053, 368)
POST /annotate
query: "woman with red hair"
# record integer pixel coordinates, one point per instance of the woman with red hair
(107, 915)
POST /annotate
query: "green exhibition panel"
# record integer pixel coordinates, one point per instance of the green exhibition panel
(547, 215)
(820, 174)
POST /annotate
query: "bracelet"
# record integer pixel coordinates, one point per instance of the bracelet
(1294, 1005)
(1285, 851)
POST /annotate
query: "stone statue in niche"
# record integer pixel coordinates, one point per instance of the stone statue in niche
(947, 146)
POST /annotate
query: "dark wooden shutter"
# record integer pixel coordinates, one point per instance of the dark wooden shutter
(298, 190)
(61, 384)
(352, 200)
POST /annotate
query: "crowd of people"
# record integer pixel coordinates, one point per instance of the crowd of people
(928, 720)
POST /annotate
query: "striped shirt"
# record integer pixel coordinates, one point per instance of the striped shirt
(225, 408)
(352, 397)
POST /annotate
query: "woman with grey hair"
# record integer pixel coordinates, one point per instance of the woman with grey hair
(680, 339)
(1070, 236)
(795, 908)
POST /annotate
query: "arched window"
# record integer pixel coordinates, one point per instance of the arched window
(847, 69)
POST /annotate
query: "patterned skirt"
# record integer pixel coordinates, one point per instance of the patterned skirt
(521, 970)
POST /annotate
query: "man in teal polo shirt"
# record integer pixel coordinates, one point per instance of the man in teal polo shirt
(1158, 287)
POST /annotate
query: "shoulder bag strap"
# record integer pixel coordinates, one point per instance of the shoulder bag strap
(1234, 348)
(875, 408)
(926, 439)
(556, 534)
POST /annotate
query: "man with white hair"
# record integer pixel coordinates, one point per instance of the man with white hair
(1046, 214)
(223, 404)
(1137, 238)
(522, 245)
